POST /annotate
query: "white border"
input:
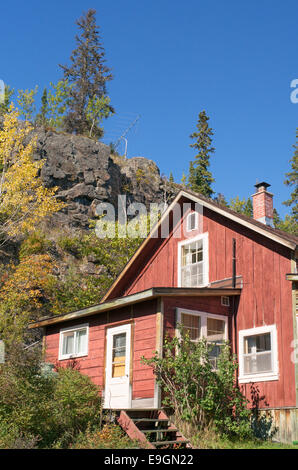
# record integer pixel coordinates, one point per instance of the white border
(72, 328)
(205, 238)
(261, 376)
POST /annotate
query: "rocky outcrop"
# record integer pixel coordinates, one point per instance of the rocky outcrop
(86, 174)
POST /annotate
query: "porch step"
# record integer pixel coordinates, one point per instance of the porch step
(166, 443)
(159, 430)
(152, 428)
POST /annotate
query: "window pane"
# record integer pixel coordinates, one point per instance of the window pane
(255, 363)
(81, 341)
(257, 343)
(68, 343)
(118, 357)
(215, 329)
(191, 324)
(213, 354)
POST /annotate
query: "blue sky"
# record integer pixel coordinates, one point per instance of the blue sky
(170, 60)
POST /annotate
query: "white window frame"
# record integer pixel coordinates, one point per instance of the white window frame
(188, 218)
(259, 376)
(204, 237)
(69, 330)
(204, 316)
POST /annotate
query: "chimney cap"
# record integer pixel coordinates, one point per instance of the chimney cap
(263, 184)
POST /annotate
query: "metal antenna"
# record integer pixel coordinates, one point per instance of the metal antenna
(126, 132)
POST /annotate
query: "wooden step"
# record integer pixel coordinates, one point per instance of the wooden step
(159, 430)
(165, 443)
(151, 420)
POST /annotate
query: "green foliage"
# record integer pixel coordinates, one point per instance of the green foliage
(88, 101)
(97, 110)
(197, 393)
(110, 436)
(57, 102)
(4, 107)
(291, 222)
(26, 102)
(243, 206)
(35, 243)
(220, 199)
(200, 178)
(43, 410)
(42, 116)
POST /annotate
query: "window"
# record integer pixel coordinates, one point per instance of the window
(193, 262)
(192, 221)
(119, 355)
(73, 342)
(225, 300)
(205, 325)
(258, 354)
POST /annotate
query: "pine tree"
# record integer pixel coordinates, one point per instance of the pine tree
(88, 76)
(292, 180)
(200, 178)
(221, 200)
(42, 116)
(171, 178)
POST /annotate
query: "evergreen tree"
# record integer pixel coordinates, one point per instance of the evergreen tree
(200, 178)
(171, 178)
(242, 206)
(87, 76)
(292, 180)
(42, 116)
(183, 179)
(220, 199)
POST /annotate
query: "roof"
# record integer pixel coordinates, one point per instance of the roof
(283, 238)
(147, 294)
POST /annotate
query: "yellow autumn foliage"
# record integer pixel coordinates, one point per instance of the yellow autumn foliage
(24, 200)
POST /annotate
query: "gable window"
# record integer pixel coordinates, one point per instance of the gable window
(192, 221)
(205, 325)
(193, 262)
(258, 354)
(73, 342)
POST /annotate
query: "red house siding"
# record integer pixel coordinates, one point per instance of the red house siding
(266, 294)
(143, 319)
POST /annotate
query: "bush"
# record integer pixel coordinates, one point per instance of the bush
(43, 410)
(199, 395)
(34, 244)
(110, 437)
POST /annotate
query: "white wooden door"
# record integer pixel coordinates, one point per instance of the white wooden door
(117, 383)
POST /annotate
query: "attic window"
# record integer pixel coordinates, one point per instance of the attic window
(192, 221)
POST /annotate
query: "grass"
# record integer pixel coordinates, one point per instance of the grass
(211, 441)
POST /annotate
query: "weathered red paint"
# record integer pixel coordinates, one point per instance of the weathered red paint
(265, 300)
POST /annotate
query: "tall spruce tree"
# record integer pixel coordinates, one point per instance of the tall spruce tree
(88, 76)
(292, 180)
(200, 178)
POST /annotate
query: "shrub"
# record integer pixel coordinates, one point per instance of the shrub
(35, 243)
(198, 394)
(110, 437)
(43, 410)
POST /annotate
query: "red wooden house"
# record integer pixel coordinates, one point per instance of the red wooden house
(223, 275)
